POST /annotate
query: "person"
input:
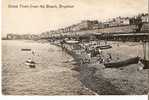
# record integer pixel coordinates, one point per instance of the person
(62, 42)
(110, 57)
(100, 51)
(140, 66)
(29, 60)
(88, 57)
(33, 53)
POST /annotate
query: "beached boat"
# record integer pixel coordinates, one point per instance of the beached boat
(123, 63)
(30, 63)
(72, 42)
(104, 47)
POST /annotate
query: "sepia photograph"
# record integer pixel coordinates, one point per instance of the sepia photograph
(74, 47)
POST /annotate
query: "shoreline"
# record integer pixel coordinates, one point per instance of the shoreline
(92, 80)
(76, 68)
(107, 81)
(52, 75)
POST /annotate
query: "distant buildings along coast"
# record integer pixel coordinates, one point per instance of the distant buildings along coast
(139, 23)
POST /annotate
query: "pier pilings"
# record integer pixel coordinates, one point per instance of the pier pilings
(146, 54)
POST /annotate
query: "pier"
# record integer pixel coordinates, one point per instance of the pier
(146, 53)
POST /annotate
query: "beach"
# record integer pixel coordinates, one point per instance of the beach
(127, 79)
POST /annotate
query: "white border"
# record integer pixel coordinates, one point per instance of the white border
(2, 97)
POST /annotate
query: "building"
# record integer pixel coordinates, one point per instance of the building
(106, 24)
(75, 28)
(12, 36)
(145, 18)
(88, 25)
(100, 25)
(45, 34)
(124, 21)
(119, 21)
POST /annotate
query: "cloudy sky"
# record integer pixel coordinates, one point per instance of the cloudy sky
(37, 20)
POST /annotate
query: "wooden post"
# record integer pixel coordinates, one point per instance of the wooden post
(146, 54)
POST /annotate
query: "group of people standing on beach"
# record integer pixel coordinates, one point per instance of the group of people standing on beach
(93, 51)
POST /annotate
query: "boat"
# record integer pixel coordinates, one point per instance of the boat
(72, 42)
(30, 63)
(122, 63)
(104, 47)
(25, 49)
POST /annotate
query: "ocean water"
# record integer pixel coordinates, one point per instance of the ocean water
(51, 76)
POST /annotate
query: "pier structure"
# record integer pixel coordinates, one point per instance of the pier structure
(132, 37)
(146, 53)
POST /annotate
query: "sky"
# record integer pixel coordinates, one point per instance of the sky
(37, 20)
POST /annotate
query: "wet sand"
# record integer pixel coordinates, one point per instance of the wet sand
(52, 75)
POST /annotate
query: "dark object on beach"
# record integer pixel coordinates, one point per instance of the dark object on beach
(104, 47)
(30, 63)
(32, 66)
(145, 63)
(25, 49)
(122, 63)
